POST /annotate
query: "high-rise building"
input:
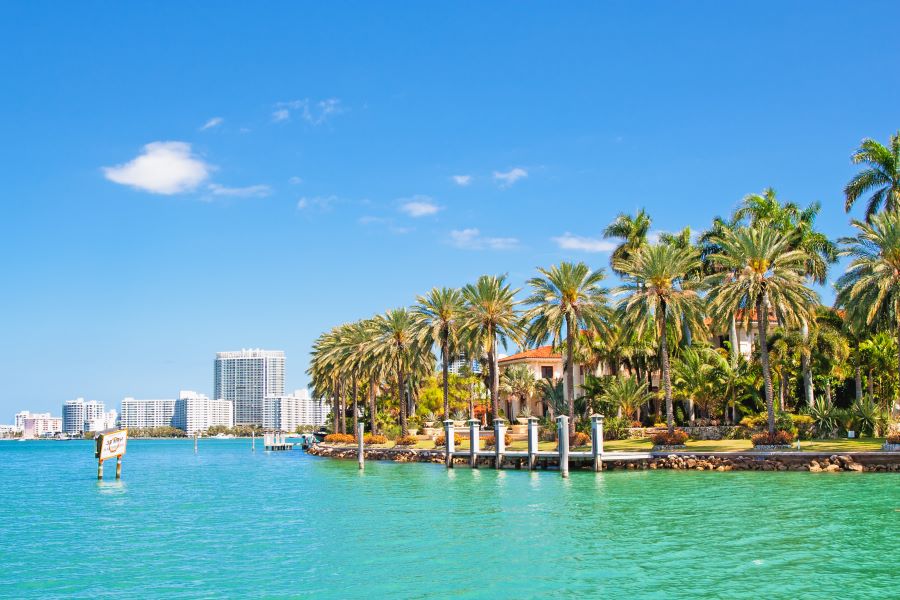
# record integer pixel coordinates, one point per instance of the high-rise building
(461, 360)
(288, 411)
(246, 378)
(147, 413)
(196, 412)
(78, 415)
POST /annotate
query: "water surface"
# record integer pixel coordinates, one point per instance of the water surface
(227, 522)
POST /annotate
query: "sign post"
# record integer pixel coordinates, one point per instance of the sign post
(111, 444)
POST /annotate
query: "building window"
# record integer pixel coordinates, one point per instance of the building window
(547, 372)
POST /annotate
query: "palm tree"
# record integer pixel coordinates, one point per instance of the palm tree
(490, 317)
(394, 339)
(626, 393)
(438, 317)
(696, 373)
(881, 176)
(552, 394)
(564, 298)
(518, 381)
(761, 271)
(633, 233)
(710, 247)
(870, 288)
(658, 295)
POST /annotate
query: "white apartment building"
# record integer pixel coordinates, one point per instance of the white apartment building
(246, 378)
(77, 415)
(41, 425)
(147, 413)
(287, 412)
(22, 415)
(196, 412)
(105, 421)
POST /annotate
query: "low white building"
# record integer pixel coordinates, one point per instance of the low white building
(287, 412)
(147, 413)
(196, 412)
(102, 422)
(41, 425)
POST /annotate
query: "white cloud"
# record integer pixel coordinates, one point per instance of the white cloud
(568, 241)
(471, 239)
(163, 168)
(295, 180)
(320, 203)
(462, 180)
(313, 112)
(214, 122)
(510, 177)
(250, 191)
(419, 206)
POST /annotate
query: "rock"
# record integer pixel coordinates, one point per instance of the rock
(814, 467)
(832, 469)
(855, 466)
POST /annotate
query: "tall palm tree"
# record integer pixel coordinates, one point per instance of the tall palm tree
(761, 271)
(563, 299)
(632, 231)
(710, 247)
(697, 374)
(395, 340)
(439, 316)
(658, 295)
(881, 176)
(491, 317)
(869, 290)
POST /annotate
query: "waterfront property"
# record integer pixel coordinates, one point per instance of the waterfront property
(246, 378)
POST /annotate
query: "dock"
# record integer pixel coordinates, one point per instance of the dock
(275, 442)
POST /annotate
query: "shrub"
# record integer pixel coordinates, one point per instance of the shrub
(616, 428)
(371, 438)
(340, 438)
(581, 439)
(441, 440)
(779, 438)
(664, 438)
(407, 440)
(489, 441)
(805, 426)
(894, 438)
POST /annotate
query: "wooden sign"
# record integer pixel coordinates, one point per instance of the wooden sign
(111, 444)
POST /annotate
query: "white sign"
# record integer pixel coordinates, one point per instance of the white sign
(112, 444)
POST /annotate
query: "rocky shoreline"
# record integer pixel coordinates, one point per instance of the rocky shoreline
(683, 461)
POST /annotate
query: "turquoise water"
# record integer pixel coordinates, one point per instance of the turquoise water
(230, 523)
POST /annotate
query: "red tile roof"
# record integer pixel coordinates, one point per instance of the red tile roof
(541, 352)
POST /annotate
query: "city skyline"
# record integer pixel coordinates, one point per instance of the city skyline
(276, 172)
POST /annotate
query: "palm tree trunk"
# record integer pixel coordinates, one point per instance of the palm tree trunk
(570, 376)
(897, 393)
(828, 391)
(495, 379)
(471, 402)
(372, 408)
(445, 351)
(335, 407)
(870, 384)
(343, 403)
(355, 409)
(859, 392)
(401, 387)
(807, 370)
(664, 366)
(762, 321)
(735, 343)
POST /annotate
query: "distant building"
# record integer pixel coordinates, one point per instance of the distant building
(246, 378)
(103, 422)
(22, 415)
(77, 415)
(9, 431)
(287, 412)
(41, 425)
(458, 362)
(196, 412)
(147, 413)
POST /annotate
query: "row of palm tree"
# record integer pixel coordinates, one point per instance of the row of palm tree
(758, 266)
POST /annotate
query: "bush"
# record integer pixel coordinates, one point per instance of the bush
(490, 441)
(407, 440)
(371, 438)
(804, 425)
(894, 438)
(340, 438)
(664, 438)
(581, 439)
(441, 440)
(783, 421)
(616, 428)
(779, 438)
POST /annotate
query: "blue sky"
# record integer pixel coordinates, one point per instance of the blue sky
(194, 177)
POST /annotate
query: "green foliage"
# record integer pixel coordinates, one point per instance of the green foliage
(824, 416)
(868, 417)
(625, 393)
(779, 438)
(616, 428)
(155, 432)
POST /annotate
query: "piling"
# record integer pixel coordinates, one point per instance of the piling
(499, 443)
(252, 441)
(474, 442)
(100, 470)
(118, 467)
(597, 442)
(451, 446)
(195, 442)
(532, 442)
(562, 435)
(360, 446)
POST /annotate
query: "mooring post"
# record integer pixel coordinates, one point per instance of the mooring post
(562, 436)
(532, 442)
(474, 442)
(597, 441)
(253, 441)
(451, 446)
(100, 469)
(195, 442)
(360, 446)
(499, 442)
(118, 467)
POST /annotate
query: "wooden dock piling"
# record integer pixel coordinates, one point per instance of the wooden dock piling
(597, 442)
(474, 442)
(562, 436)
(360, 446)
(449, 434)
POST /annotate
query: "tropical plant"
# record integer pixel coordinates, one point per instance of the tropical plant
(438, 316)
(881, 176)
(565, 298)
(627, 394)
(554, 399)
(518, 381)
(760, 271)
(657, 295)
(491, 316)
(395, 340)
(633, 233)
(824, 417)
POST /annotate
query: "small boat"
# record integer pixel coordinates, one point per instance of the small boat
(320, 435)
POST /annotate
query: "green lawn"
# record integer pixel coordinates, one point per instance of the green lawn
(644, 445)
